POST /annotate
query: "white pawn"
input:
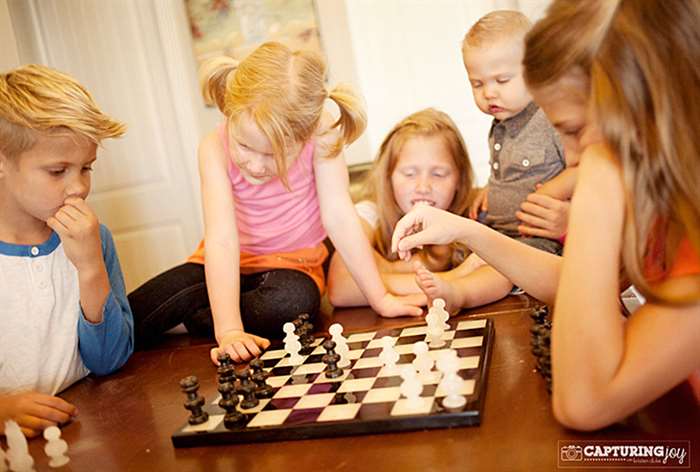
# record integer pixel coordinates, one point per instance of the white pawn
(292, 345)
(55, 447)
(434, 337)
(411, 387)
(442, 315)
(18, 455)
(423, 362)
(341, 344)
(451, 382)
(389, 356)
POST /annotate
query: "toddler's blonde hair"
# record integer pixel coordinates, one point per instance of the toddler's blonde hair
(37, 99)
(283, 92)
(497, 25)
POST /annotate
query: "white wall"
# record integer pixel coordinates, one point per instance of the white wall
(9, 58)
(404, 55)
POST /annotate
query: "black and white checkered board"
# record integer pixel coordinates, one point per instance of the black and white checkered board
(364, 400)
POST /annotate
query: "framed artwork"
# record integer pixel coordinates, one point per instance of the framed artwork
(236, 27)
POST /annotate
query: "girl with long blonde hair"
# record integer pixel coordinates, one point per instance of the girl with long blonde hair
(273, 183)
(635, 210)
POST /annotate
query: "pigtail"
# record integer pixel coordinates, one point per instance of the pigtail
(353, 118)
(214, 74)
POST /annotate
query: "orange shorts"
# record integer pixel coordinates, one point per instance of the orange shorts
(308, 260)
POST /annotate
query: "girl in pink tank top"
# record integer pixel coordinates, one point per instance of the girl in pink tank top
(272, 186)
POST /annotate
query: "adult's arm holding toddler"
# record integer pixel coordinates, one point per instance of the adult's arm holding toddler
(222, 259)
(34, 411)
(545, 212)
(603, 370)
(480, 203)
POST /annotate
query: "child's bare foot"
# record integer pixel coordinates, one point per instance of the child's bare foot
(435, 286)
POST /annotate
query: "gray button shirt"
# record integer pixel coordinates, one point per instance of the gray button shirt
(525, 150)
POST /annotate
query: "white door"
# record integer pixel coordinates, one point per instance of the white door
(135, 58)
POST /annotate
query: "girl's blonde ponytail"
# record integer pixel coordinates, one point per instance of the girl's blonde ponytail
(213, 79)
(353, 118)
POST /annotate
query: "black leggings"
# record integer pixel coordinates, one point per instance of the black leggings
(268, 300)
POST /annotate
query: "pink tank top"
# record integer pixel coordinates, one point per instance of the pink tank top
(271, 218)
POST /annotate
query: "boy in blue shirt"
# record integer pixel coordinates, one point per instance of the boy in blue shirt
(63, 307)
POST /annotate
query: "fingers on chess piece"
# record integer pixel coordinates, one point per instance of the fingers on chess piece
(55, 447)
(190, 387)
(259, 376)
(331, 359)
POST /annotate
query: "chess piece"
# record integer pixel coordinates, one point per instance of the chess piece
(225, 370)
(423, 363)
(292, 345)
(248, 390)
(451, 383)
(341, 344)
(18, 457)
(298, 327)
(190, 386)
(442, 315)
(388, 356)
(540, 342)
(262, 389)
(434, 337)
(229, 402)
(331, 359)
(411, 387)
(55, 447)
(308, 338)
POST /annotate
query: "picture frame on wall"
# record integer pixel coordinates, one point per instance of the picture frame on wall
(236, 27)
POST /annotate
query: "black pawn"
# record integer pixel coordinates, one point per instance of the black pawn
(308, 329)
(331, 359)
(229, 400)
(225, 370)
(247, 388)
(262, 389)
(190, 386)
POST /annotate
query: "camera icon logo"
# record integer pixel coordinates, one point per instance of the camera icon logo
(571, 453)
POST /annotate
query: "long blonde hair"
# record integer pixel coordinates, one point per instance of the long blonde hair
(283, 92)
(428, 122)
(642, 60)
(37, 99)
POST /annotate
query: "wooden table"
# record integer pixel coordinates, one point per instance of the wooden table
(125, 420)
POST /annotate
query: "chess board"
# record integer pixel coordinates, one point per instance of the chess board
(364, 400)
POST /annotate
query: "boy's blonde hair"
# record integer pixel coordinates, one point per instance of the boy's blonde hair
(424, 123)
(37, 99)
(641, 67)
(499, 24)
(283, 91)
